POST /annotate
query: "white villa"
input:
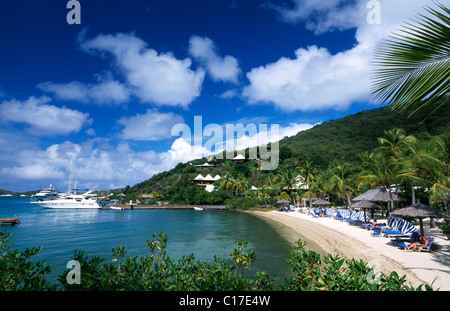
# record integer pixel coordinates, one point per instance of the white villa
(207, 182)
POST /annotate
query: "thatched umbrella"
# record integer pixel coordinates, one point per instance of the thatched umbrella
(378, 195)
(364, 204)
(321, 202)
(419, 211)
(284, 202)
(121, 195)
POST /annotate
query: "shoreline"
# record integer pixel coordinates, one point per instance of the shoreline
(325, 235)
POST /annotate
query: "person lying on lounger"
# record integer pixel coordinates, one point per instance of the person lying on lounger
(418, 245)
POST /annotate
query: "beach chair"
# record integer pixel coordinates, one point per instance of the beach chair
(395, 225)
(428, 248)
(314, 213)
(343, 215)
(376, 232)
(330, 213)
(355, 218)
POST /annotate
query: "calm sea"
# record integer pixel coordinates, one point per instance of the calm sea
(97, 232)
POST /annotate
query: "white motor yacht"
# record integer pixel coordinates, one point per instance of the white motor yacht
(46, 194)
(77, 201)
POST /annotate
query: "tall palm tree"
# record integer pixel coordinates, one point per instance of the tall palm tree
(434, 166)
(382, 169)
(286, 179)
(412, 69)
(227, 183)
(240, 185)
(396, 141)
(308, 171)
(320, 185)
(342, 177)
(263, 191)
(401, 146)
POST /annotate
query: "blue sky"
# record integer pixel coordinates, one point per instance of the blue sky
(100, 98)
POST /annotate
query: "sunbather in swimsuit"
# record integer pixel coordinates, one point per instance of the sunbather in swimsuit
(416, 245)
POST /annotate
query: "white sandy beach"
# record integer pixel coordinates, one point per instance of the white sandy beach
(351, 241)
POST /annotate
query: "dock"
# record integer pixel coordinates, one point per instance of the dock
(10, 221)
(164, 207)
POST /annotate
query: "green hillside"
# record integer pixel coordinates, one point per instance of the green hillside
(343, 139)
(340, 140)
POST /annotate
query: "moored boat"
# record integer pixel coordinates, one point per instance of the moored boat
(75, 201)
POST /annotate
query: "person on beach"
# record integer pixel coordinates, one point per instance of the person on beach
(417, 245)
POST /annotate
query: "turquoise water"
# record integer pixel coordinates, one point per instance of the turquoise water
(204, 234)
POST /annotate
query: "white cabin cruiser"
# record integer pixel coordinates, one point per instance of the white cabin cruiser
(46, 194)
(77, 201)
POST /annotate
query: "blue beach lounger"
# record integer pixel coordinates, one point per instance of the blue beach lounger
(428, 248)
(399, 227)
(405, 245)
(376, 232)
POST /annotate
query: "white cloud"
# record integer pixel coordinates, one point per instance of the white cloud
(220, 68)
(313, 80)
(108, 92)
(316, 79)
(97, 162)
(41, 118)
(152, 125)
(161, 79)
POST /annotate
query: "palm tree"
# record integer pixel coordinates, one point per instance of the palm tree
(382, 169)
(342, 177)
(263, 192)
(286, 179)
(308, 171)
(412, 69)
(320, 185)
(397, 141)
(434, 167)
(240, 185)
(401, 146)
(227, 183)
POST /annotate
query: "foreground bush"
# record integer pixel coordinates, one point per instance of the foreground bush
(157, 271)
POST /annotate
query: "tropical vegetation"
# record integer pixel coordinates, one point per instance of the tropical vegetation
(412, 68)
(158, 272)
(415, 164)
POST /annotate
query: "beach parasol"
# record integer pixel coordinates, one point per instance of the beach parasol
(378, 195)
(364, 204)
(284, 202)
(419, 211)
(321, 202)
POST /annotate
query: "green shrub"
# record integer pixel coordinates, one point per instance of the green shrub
(17, 272)
(158, 272)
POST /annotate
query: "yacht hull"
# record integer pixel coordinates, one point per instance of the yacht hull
(56, 204)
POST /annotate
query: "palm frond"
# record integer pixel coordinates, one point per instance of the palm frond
(412, 69)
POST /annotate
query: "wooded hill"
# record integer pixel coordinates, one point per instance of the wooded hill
(341, 140)
(345, 138)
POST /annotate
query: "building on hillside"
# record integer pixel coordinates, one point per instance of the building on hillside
(238, 159)
(204, 166)
(206, 182)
